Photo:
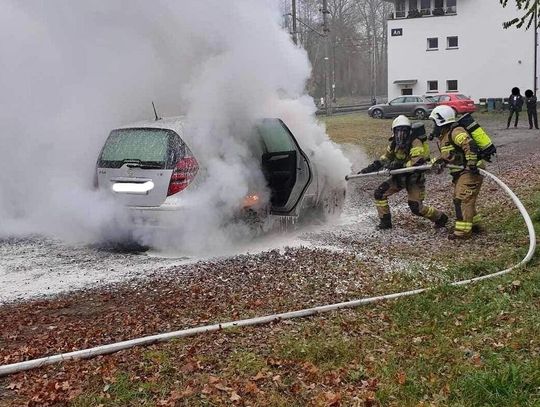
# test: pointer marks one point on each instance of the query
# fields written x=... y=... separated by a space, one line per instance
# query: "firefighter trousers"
x=466 y=188
x=415 y=184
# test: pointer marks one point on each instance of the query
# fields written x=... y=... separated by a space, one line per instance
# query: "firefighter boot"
x=441 y=222
x=385 y=222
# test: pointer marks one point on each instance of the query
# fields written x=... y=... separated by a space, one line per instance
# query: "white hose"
x=148 y=340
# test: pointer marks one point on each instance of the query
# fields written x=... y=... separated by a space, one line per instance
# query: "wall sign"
x=397 y=32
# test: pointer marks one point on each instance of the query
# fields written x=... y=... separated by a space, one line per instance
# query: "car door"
x=286 y=167
x=396 y=106
x=410 y=105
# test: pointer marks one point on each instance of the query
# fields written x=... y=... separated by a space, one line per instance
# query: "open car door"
x=285 y=166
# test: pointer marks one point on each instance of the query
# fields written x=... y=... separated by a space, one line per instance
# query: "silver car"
x=415 y=106
x=150 y=166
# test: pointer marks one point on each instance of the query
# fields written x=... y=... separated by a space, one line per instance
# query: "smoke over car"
x=83 y=69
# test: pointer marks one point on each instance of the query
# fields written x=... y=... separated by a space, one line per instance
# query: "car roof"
x=176 y=124
x=409 y=96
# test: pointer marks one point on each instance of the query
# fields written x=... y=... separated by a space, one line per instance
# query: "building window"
x=432 y=44
x=425 y=7
x=400 y=9
x=413 y=9
x=450 y=6
x=438 y=9
x=451 y=86
x=451 y=42
x=432 y=86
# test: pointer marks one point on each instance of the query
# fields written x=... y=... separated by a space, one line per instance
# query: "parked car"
x=415 y=106
x=150 y=166
x=460 y=103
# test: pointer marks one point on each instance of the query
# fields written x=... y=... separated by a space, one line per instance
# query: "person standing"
x=404 y=150
x=457 y=147
x=515 y=103
x=530 y=100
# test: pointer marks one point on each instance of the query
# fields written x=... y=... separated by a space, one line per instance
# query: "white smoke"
x=70 y=72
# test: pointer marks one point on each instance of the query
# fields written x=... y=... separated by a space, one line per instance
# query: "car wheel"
x=420 y=114
x=377 y=114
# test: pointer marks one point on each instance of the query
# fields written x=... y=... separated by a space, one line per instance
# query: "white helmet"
x=442 y=115
x=401 y=121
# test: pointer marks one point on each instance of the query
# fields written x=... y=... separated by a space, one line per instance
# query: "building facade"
x=441 y=46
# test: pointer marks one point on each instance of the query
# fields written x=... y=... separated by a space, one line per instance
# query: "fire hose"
x=152 y=339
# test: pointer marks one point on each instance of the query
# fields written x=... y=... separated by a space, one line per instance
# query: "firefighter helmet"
x=443 y=115
x=401 y=121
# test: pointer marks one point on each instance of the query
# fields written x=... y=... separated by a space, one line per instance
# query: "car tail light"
x=184 y=172
x=250 y=200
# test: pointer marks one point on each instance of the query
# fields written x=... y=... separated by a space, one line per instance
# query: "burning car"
x=150 y=167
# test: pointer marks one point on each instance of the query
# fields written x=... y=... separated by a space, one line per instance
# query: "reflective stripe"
x=446 y=149
x=416 y=151
x=430 y=211
x=381 y=203
x=471 y=157
x=477 y=219
x=460 y=138
x=463 y=226
x=425 y=147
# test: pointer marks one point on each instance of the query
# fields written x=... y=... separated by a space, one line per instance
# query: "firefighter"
x=404 y=150
x=457 y=147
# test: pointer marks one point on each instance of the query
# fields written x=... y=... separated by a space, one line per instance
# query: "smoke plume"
x=72 y=71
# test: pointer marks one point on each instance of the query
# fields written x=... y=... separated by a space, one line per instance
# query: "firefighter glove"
x=374 y=166
x=471 y=165
x=394 y=165
x=438 y=166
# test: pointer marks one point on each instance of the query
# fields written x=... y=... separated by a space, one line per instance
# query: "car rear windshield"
x=462 y=97
x=146 y=147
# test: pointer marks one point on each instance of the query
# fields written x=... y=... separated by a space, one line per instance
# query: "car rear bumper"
x=155 y=217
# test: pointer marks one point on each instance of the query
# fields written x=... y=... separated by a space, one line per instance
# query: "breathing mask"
x=402 y=137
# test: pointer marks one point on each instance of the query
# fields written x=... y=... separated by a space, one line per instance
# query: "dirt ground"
x=95 y=296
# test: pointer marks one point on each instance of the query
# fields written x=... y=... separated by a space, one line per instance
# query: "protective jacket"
x=417 y=153
x=458 y=148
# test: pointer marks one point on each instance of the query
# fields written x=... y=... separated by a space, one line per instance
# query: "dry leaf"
x=235 y=396
x=401 y=377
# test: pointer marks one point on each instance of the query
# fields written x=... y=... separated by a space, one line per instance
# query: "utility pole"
x=294 y=33
x=326 y=31
x=535 y=47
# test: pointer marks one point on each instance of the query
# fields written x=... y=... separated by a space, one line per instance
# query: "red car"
x=460 y=103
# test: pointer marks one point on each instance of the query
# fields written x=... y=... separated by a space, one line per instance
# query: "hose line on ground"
x=148 y=340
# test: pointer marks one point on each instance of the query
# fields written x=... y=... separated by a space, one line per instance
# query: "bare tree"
x=357 y=39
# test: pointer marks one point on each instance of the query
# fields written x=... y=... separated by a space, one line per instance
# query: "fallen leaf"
x=222 y=387
x=235 y=396
x=332 y=398
x=401 y=377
